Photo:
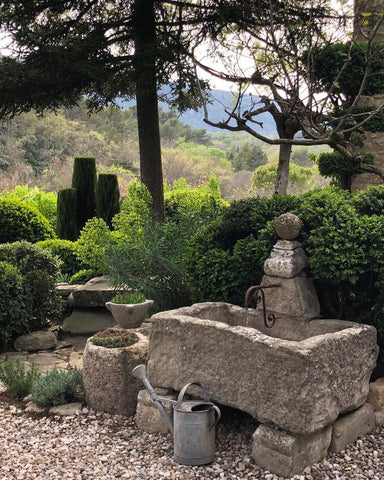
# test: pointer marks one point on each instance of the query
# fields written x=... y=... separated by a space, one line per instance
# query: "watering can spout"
x=140 y=373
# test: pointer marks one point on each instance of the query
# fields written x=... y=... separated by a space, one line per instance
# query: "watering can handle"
x=218 y=416
x=184 y=389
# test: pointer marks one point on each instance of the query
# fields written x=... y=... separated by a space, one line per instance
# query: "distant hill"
x=221 y=99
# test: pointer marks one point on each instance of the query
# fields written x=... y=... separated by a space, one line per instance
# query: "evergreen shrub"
x=83 y=276
x=84 y=181
x=56 y=387
x=226 y=257
x=93 y=243
x=67 y=222
x=204 y=200
x=66 y=251
x=39 y=270
x=13 y=304
x=107 y=197
x=19 y=221
x=44 y=202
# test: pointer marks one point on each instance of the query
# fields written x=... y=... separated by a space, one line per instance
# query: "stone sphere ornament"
x=288 y=226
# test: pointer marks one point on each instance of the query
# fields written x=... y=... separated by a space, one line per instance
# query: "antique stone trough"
x=295 y=378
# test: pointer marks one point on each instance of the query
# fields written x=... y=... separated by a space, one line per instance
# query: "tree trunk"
x=147 y=105
x=281 y=184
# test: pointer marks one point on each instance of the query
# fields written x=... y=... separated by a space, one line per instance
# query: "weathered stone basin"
x=297 y=376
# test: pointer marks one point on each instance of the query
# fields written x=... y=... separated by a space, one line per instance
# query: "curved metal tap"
x=254 y=291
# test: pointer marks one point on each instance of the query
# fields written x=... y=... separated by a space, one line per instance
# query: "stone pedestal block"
x=148 y=417
x=376 y=394
x=287 y=455
x=109 y=385
x=295 y=297
x=350 y=427
x=287 y=260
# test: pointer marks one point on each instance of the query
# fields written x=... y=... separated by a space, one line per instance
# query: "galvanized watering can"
x=193 y=424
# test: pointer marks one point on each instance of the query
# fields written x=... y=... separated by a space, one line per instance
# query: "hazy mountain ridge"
x=221 y=99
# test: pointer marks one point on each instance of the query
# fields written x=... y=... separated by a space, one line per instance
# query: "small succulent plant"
x=129 y=298
x=114 y=338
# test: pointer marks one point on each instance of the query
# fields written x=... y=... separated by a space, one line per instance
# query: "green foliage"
x=107 y=197
x=329 y=61
x=67 y=222
x=56 y=387
x=204 y=200
x=265 y=175
x=83 y=276
x=249 y=158
x=19 y=221
x=336 y=166
x=84 y=181
x=135 y=211
x=30 y=258
x=370 y=201
x=114 y=339
x=66 y=251
x=13 y=304
x=226 y=257
x=93 y=243
x=129 y=298
x=39 y=269
x=44 y=202
x=17 y=379
x=152 y=262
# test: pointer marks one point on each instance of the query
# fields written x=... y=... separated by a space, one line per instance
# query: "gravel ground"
x=100 y=446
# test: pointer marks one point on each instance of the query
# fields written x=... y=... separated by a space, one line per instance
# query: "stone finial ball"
x=288 y=226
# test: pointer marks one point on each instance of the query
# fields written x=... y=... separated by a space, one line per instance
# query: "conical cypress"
x=84 y=180
x=107 y=197
x=67 y=214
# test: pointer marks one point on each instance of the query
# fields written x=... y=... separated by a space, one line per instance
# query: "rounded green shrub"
x=39 y=270
x=13 y=304
x=93 y=243
x=83 y=276
x=66 y=251
x=226 y=257
x=19 y=221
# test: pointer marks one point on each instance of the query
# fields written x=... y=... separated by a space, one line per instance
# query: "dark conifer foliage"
x=84 y=181
x=107 y=197
x=67 y=228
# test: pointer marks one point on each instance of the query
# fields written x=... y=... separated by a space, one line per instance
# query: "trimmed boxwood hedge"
x=19 y=221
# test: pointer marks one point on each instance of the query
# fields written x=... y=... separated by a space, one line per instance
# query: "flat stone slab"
x=86 y=321
x=94 y=293
x=299 y=386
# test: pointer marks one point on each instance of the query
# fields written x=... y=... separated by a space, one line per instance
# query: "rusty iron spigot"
x=254 y=291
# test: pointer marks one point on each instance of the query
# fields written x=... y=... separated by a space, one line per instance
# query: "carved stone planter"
x=109 y=385
x=129 y=315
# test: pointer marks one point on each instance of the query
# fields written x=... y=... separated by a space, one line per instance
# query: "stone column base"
x=287 y=455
